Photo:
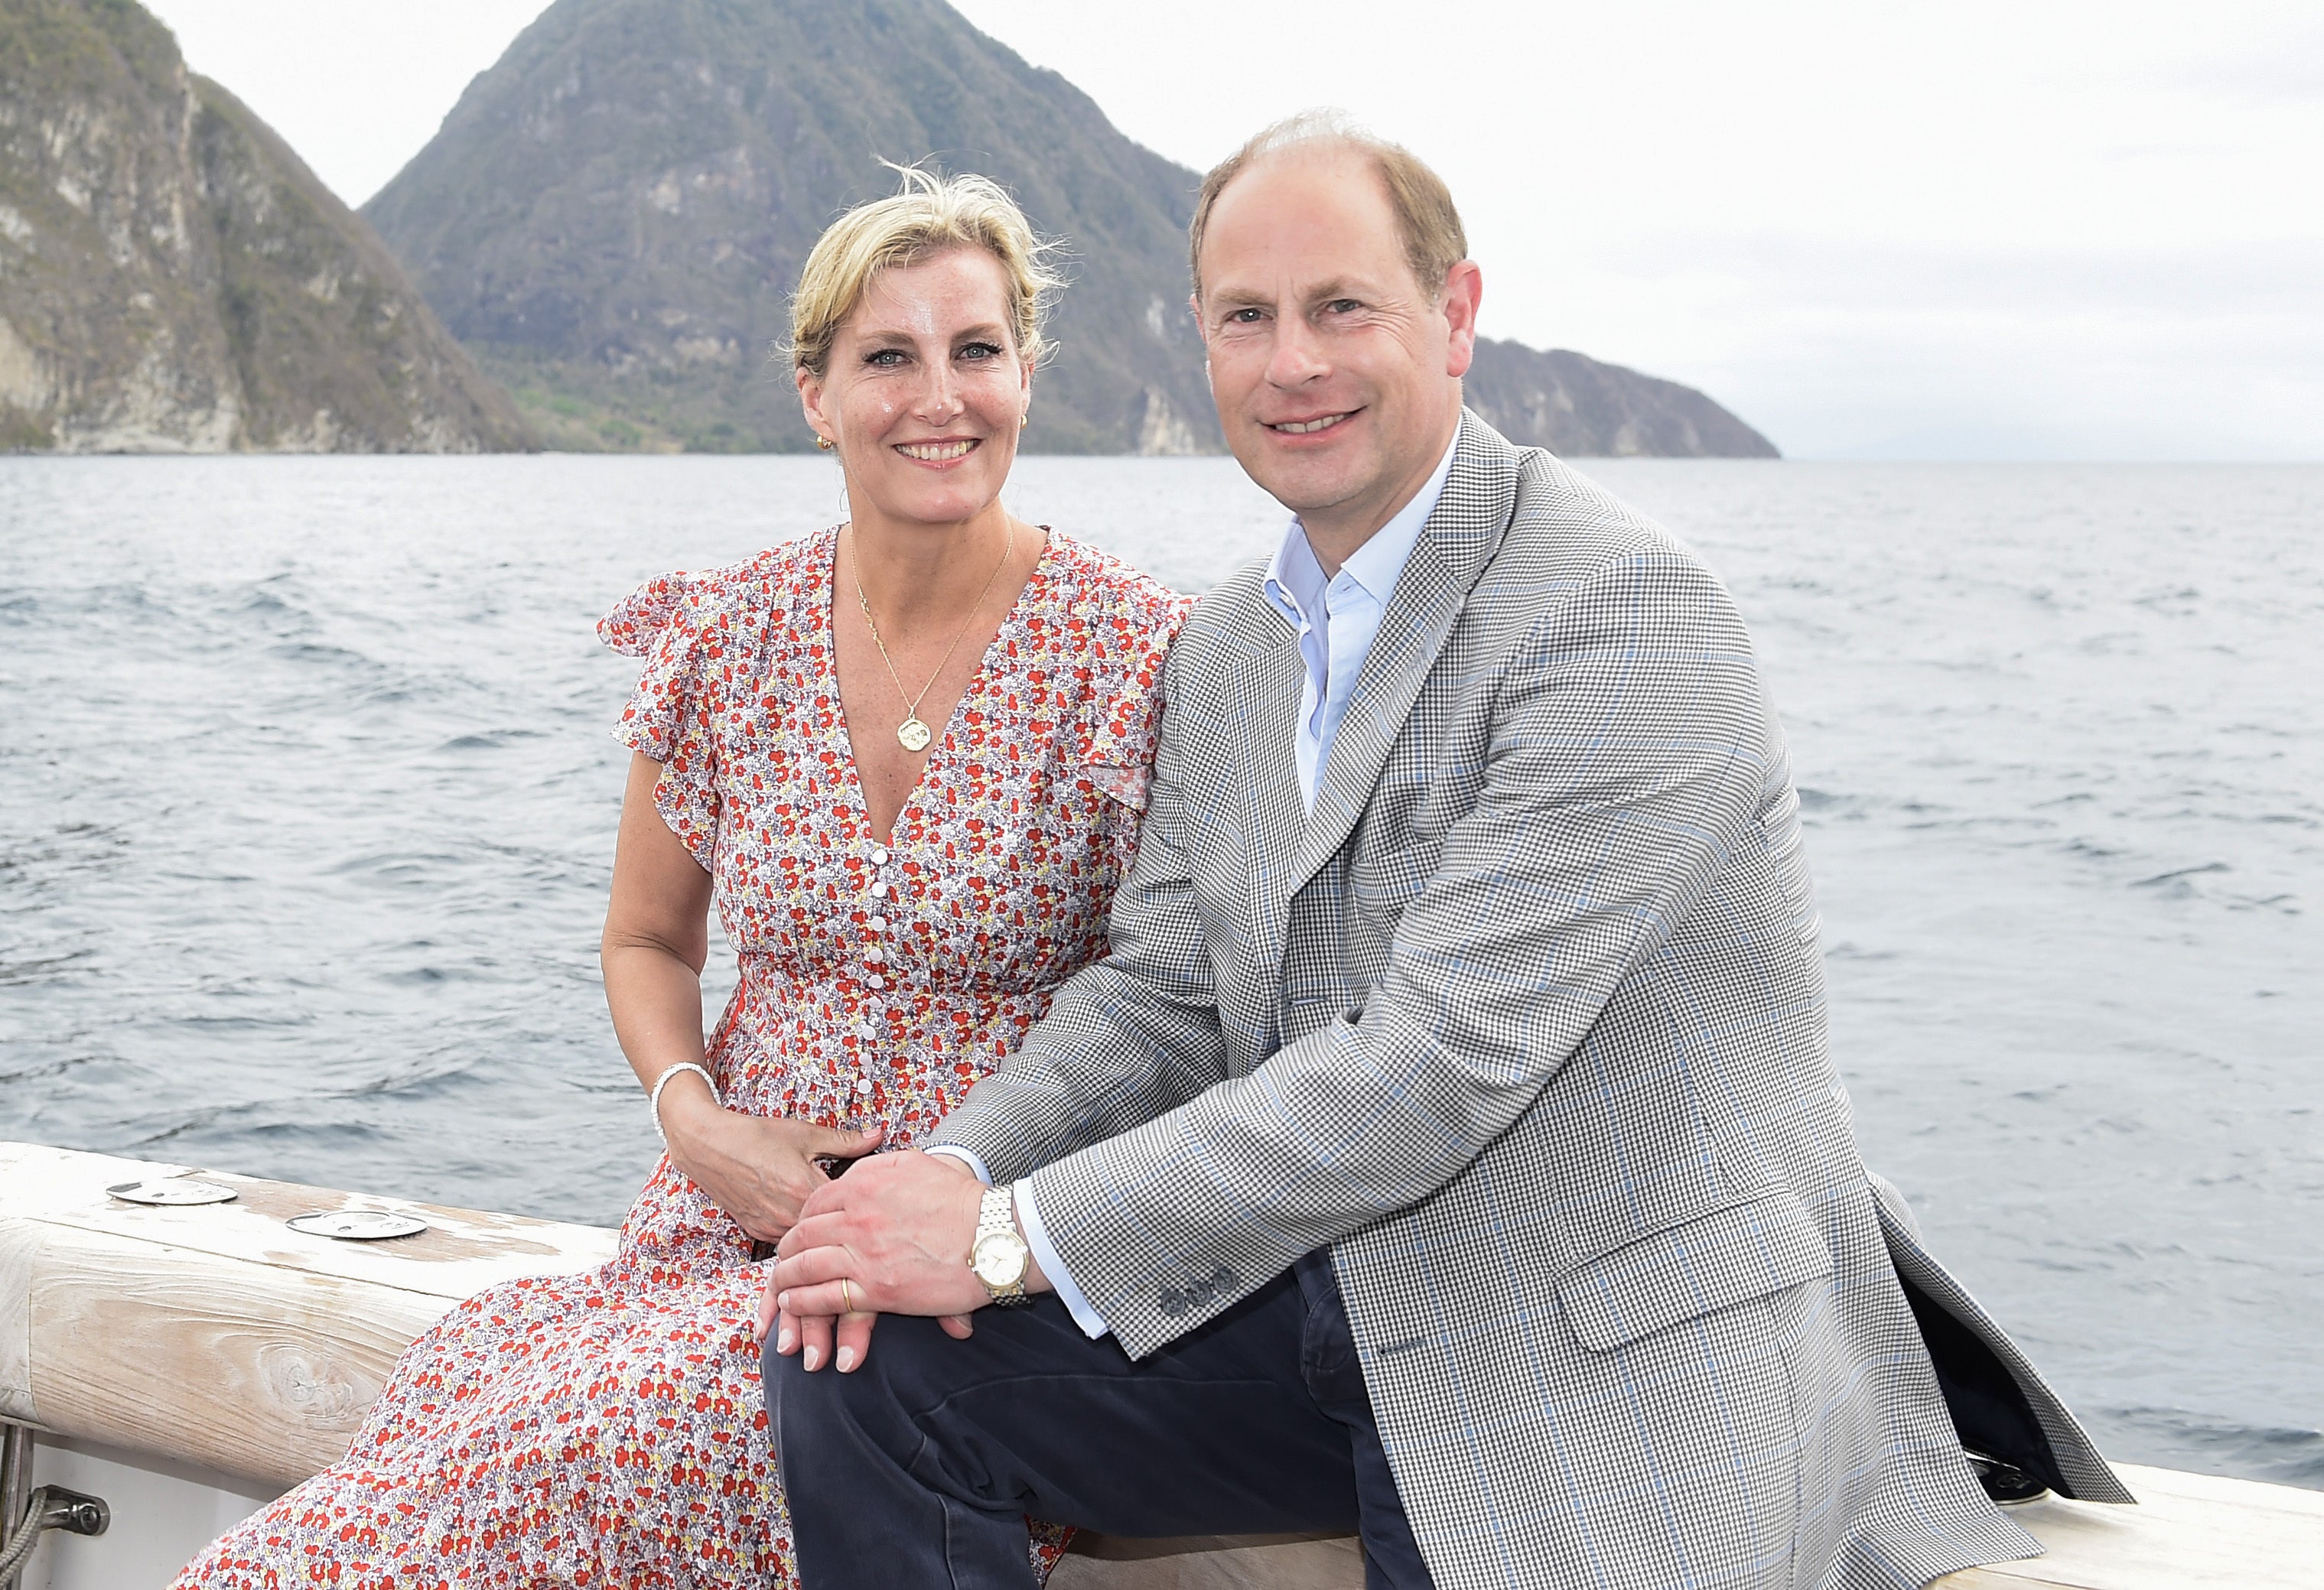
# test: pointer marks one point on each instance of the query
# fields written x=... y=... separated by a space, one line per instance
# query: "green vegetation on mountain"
x=613 y=217
x=172 y=278
x=611 y=221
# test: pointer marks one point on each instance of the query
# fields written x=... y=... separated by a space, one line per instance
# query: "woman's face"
x=923 y=392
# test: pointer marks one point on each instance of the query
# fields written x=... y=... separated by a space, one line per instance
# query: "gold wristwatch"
x=997 y=1255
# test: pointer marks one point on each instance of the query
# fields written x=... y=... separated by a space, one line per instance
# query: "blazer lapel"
x=1460 y=539
x=1267 y=684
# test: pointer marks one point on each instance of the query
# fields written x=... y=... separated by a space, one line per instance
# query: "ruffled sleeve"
x=670 y=715
x=1117 y=757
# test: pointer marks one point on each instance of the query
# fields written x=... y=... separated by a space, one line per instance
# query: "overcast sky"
x=1969 y=230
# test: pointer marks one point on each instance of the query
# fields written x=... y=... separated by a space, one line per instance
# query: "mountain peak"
x=614 y=215
x=173 y=277
x=612 y=218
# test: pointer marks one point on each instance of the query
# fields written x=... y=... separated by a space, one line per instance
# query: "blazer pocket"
x=1713 y=1263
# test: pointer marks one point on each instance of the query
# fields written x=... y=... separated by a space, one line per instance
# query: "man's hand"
x=892 y=1235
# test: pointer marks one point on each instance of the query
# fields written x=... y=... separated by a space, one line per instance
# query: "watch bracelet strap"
x=996 y=1214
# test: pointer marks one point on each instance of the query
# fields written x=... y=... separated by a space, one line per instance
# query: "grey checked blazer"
x=1526 y=1023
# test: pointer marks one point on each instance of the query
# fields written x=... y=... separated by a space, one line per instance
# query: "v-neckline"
x=943 y=745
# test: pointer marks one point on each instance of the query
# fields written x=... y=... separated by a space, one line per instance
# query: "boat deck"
x=211 y=1346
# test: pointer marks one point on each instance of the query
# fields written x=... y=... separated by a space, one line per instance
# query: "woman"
x=905 y=758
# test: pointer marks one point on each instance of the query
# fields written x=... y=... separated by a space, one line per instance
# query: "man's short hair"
x=1434 y=239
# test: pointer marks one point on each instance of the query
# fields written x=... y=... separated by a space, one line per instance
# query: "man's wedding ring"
x=847 y=1296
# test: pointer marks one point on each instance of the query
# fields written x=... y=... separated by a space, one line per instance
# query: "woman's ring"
x=847 y=1296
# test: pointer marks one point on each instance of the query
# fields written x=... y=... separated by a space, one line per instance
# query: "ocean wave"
x=305 y=840
x=2286 y=1455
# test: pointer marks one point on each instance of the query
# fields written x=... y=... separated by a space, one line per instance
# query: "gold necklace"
x=911 y=733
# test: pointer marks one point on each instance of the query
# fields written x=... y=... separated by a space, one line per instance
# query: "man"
x=1448 y=1147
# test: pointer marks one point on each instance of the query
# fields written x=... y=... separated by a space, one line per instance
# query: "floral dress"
x=607 y=1429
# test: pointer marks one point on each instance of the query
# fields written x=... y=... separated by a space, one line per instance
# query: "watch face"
x=1000 y=1259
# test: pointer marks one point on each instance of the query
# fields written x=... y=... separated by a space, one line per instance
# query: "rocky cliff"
x=1575 y=405
x=173 y=278
x=613 y=217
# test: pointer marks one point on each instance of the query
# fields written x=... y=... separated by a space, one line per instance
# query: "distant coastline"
x=594 y=252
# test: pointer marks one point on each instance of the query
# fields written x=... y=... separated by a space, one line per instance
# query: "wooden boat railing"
x=213 y=1336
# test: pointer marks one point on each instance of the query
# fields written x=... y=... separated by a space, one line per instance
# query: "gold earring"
x=826 y=442
x=1024 y=420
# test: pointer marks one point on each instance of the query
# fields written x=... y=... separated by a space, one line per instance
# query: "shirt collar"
x=1295 y=583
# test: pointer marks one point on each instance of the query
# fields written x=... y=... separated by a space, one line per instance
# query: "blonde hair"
x=926 y=216
x=1425 y=219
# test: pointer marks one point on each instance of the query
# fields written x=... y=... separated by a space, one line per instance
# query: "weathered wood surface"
x=1244 y=1562
x=213 y=1334
x=2190 y=1532
x=463 y=1252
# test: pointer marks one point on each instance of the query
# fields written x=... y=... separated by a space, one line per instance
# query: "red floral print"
x=607 y=1429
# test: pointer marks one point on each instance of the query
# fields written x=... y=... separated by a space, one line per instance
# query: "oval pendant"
x=913 y=734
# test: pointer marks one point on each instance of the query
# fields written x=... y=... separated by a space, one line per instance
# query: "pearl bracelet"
x=653 y=1103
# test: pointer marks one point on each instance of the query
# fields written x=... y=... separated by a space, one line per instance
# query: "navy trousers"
x=919 y=1469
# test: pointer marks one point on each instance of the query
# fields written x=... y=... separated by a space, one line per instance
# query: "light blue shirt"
x=1337 y=620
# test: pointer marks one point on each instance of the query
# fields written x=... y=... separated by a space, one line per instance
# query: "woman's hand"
x=759 y=1169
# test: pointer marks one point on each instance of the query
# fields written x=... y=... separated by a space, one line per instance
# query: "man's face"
x=1336 y=375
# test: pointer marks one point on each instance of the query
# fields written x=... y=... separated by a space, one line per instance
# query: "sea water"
x=308 y=801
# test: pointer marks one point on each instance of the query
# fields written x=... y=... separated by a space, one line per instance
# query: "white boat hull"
x=163 y=1512
x=189 y=1363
